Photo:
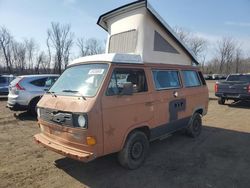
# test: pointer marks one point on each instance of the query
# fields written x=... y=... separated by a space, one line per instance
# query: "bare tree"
x=225 y=51
x=81 y=45
x=41 y=62
x=49 y=52
x=19 y=54
x=196 y=44
x=238 y=59
x=5 y=47
x=94 y=46
x=31 y=48
x=182 y=33
x=90 y=46
x=60 y=39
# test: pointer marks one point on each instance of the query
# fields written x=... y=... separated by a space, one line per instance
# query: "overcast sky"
x=211 y=19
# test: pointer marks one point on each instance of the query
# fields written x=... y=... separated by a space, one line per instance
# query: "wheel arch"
x=33 y=99
x=200 y=110
x=143 y=128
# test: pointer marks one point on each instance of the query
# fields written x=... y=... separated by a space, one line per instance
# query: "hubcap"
x=136 y=150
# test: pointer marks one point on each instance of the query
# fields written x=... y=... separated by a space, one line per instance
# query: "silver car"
x=26 y=91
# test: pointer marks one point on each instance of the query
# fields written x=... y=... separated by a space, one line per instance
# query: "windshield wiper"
x=52 y=93
x=73 y=91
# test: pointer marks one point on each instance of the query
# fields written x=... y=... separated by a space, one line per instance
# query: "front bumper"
x=233 y=96
x=62 y=149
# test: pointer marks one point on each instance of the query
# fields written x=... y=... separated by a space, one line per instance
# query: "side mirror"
x=127 y=89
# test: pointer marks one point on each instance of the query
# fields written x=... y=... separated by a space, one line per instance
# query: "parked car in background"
x=26 y=91
x=4 y=83
x=207 y=76
x=236 y=87
x=215 y=76
x=222 y=76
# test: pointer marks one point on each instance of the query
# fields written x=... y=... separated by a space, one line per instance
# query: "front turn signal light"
x=91 y=141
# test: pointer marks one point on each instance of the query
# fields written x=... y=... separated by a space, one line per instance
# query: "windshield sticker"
x=95 y=71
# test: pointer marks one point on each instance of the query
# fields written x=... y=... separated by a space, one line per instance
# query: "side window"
x=39 y=82
x=191 y=78
x=166 y=79
x=121 y=77
x=50 y=81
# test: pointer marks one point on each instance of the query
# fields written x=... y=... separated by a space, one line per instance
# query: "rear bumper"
x=62 y=149
x=4 y=93
x=233 y=96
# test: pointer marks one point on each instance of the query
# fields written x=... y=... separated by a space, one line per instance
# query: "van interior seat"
x=133 y=78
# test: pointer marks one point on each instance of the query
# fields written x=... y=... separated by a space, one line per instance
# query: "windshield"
x=245 y=78
x=83 y=80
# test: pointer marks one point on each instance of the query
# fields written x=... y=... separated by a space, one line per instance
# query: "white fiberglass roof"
x=111 y=57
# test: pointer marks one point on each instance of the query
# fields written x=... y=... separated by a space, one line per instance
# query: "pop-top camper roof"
x=136 y=28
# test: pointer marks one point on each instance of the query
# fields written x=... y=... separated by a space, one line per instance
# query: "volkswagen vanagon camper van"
x=119 y=102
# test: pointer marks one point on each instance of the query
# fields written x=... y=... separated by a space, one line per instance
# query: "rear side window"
x=39 y=82
x=166 y=79
x=121 y=77
x=191 y=78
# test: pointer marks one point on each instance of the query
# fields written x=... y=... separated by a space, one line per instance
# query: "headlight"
x=38 y=112
x=81 y=121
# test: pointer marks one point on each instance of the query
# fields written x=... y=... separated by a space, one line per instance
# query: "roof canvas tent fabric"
x=136 y=28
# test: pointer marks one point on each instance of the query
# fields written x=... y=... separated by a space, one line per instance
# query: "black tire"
x=32 y=106
x=134 y=151
x=221 y=100
x=195 y=126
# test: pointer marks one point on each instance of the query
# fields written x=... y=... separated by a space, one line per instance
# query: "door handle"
x=175 y=94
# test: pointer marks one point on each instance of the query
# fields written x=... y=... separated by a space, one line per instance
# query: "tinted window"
x=39 y=82
x=191 y=79
x=3 y=80
x=121 y=77
x=245 y=78
x=166 y=79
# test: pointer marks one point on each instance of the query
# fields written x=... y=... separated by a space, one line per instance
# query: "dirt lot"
x=220 y=157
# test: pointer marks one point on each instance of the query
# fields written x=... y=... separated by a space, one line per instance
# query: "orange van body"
x=112 y=117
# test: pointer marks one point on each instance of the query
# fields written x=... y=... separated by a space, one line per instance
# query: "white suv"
x=26 y=91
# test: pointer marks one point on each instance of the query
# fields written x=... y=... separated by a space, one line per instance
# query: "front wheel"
x=195 y=126
x=134 y=151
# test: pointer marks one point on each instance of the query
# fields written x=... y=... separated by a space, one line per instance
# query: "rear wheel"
x=32 y=106
x=134 y=151
x=221 y=100
x=195 y=126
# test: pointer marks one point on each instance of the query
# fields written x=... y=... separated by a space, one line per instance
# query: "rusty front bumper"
x=62 y=149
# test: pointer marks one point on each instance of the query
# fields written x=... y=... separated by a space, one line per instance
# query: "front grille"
x=58 y=117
